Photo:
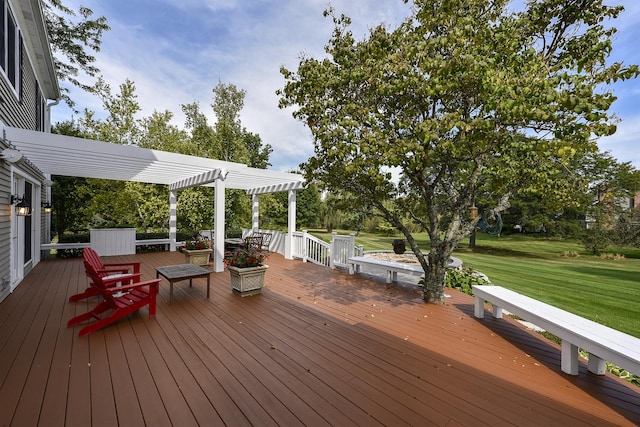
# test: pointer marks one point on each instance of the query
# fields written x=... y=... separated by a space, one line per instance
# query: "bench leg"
x=351 y=269
x=392 y=276
x=497 y=312
x=596 y=365
x=478 y=309
x=569 y=358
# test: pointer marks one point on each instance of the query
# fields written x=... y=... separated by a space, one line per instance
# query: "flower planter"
x=197 y=256
x=399 y=246
x=247 y=280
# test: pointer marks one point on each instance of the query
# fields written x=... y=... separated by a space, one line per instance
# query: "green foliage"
x=72 y=238
x=73 y=36
x=195 y=210
x=464 y=98
x=273 y=211
x=625 y=375
x=83 y=203
x=596 y=238
x=464 y=279
x=308 y=207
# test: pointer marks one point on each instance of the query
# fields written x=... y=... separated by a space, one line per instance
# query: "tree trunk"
x=435 y=278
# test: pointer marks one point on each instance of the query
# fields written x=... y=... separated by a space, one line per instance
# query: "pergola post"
x=218 y=225
x=173 y=219
x=291 y=225
x=255 y=219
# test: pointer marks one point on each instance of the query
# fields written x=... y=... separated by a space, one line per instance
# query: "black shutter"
x=20 y=66
x=3 y=40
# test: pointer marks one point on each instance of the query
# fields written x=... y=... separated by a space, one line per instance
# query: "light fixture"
x=46 y=207
x=10 y=155
x=23 y=207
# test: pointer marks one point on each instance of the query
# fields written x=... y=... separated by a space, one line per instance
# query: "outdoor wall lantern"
x=46 y=207
x=23 y=208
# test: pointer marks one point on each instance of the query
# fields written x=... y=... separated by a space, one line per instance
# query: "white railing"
x=310 y=249
x=80 y=245
x=307 y=247
x=343 y=248
x=334 y=255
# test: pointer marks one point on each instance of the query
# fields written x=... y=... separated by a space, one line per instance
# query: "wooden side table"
x=176 y=273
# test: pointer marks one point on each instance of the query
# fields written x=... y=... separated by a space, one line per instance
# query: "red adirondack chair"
x=117 y=301
x=114 y=268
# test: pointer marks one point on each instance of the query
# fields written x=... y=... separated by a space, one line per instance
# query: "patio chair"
x=91 y=257
x=253 y=242
x=117 y=301
x=266 y=241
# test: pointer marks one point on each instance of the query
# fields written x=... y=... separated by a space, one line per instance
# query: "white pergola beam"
x=70 y=156
x=202 y=179
x=276 y=188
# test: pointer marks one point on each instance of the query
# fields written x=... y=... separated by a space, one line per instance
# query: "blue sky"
x=176 y=51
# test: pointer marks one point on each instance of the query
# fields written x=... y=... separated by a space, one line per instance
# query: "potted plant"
x=399 y=246
x=247 y=270
x=197 y=251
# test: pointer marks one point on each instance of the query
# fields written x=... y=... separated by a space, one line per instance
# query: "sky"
x=176 y=52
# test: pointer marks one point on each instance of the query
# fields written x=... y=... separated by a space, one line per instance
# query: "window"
x=9 y=46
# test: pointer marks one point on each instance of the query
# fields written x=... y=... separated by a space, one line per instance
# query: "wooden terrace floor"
x=317 y=347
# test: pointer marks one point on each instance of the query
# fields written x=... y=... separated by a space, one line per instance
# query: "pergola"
x=62 y=155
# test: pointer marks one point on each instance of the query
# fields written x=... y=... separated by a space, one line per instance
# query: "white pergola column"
x=255 y=218
x=173 y=219
x=218 y=225
x=291 y=225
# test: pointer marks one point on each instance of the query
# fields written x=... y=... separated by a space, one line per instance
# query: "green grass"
x=603 y=290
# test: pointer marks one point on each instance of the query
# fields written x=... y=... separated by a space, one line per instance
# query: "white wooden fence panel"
x=113 y=241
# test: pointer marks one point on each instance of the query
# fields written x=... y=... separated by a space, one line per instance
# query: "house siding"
x=19 y=113
x=19 y=109
x=5 y=227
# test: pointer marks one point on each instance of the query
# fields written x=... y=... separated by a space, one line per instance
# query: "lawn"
x=604 y=290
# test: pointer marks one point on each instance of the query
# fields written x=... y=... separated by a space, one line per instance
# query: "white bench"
x=601 y=342
x=392 y=268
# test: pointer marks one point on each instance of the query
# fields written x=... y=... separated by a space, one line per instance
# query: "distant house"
x=613 y=207
x=634 y=202
x=27 y=83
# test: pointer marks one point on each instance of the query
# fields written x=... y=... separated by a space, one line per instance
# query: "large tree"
x=464 y=97
x=74 y=37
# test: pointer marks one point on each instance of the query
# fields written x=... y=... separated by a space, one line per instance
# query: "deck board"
x=317 y=347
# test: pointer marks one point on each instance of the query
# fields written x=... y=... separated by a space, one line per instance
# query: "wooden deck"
x=317 y=347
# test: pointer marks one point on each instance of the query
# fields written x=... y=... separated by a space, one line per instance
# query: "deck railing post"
x=332 y=250
x=305 y=244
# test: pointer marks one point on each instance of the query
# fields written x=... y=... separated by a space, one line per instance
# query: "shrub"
x=614 y=257
x=463 y=280
x=571 y=254
x=72 y=238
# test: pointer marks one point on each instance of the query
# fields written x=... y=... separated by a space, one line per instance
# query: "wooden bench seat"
x=601 y=342
x=392 y=268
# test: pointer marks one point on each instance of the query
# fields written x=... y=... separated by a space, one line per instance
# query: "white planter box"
x=247 y=281
x=197 y=256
